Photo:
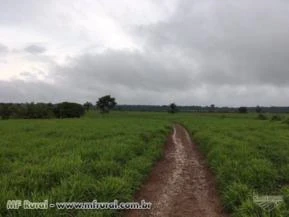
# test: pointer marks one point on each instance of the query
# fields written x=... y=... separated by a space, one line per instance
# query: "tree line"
x=40 y=110
x=107 y=103
x=49 y=110
x=203 y=109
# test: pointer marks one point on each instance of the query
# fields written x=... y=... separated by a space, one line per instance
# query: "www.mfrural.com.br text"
x=26 y=204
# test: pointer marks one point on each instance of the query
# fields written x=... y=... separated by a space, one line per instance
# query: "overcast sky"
x=194 y=52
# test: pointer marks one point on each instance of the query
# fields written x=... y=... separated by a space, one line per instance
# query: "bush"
x=286 y=121
x=68 y=110
x=262 y=117
x=276 y=118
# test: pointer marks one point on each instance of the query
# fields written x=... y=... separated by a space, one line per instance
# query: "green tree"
x=106 y=103
x=68 y=110
x=173 y=108
x=87 y=106
x=212 y=108
x=258 y=109
x=243 y=109
x=5 y=111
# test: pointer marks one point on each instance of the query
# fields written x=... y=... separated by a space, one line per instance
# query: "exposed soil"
x=181 y=184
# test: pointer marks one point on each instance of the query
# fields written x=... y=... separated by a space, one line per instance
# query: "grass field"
x=103 y=157
x=248 y=156
x=108 y=157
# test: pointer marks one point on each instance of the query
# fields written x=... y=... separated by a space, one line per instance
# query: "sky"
x=191 y=52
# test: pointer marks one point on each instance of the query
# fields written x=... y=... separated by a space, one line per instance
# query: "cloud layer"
x=35 y=49
x=190 y=52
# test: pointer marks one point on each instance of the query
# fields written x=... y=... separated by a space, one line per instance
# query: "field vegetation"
x=249 y=156
x=108 y=156
x=97 y=157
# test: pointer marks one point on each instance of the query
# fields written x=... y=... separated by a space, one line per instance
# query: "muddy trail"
x=180 y=185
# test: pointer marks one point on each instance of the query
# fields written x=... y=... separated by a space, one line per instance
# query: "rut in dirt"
x=180 y=185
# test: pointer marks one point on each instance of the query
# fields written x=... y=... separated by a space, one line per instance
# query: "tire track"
x=181 y=184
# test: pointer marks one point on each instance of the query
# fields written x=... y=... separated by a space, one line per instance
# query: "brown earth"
x=180 y=185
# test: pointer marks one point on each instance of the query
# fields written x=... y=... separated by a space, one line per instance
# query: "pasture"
x=107 y=157
x=102 y=157
x=248 y=156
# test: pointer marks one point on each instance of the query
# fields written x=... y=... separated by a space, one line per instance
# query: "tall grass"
x=107 y=157
x=97 y=157
x=248 y=156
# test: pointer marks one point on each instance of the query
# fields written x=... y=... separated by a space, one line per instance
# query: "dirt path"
x=180 y=185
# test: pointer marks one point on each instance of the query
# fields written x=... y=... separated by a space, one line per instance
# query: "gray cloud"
x=130 y=69
x=35 y=49
x=3 y=49
x=230 y=95
x=233 y=43
x=3 y=53
x=226 y=53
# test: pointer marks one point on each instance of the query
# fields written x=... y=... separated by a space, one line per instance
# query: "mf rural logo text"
x=267 y=202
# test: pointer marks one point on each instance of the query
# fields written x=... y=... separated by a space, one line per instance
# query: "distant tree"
x=87 y=106
x=68 y=110
x=212 y=108
x=173 y=108
x=106 y=103
x=5 y=111
x=15 y=110
x=258 y=109
x=42 y=110
x=243 y=109
x=31 y=110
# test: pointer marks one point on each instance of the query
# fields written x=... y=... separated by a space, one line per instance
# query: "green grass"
x=97 y=157
x=107 y=157
x=247 y=156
